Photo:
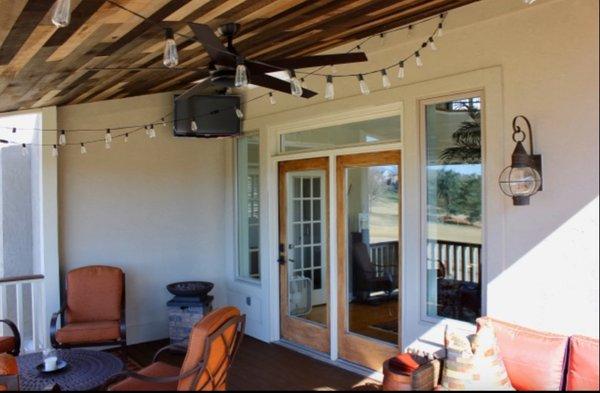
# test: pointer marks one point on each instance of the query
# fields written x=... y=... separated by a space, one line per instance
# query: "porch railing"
x=457 y=261
x=20 y=299
x=384 y=257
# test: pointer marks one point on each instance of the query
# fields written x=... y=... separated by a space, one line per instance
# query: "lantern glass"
x=520 y=181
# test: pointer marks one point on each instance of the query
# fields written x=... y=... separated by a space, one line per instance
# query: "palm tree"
x=467 y=140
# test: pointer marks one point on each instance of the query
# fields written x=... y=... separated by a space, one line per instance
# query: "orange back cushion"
x=534 y=360
x=216 y=361
x=582 y=372
x=94 y=293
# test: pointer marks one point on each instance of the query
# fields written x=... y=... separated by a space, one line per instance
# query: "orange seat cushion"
x=94 y=293
x=7 y=344
x=582 y=372
x=534 y=360
x=216 y=362
x=158 y=369
x=88 y=332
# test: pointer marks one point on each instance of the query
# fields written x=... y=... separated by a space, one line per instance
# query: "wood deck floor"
x=262 y=366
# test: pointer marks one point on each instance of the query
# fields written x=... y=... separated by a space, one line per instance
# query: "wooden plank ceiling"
x=41 y=65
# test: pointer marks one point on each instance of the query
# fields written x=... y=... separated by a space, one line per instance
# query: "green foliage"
x=467 y=140
x=455 y=194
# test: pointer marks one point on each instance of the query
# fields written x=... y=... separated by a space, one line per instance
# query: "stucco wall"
x=153 y=207
x=546 y=275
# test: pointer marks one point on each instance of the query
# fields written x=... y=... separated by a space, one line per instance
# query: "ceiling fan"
x=226 y=62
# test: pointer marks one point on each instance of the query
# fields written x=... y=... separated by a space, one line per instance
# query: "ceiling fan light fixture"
x=170 y=57
x=241 y=74
x=295 y=85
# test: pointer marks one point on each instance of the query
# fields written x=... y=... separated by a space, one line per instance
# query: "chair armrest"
x=172 y=347
x=146 y=378
x=53 y=323
x=16 y=335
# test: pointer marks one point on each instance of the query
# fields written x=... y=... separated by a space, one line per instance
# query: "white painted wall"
x=153 y=207
x=540 y=61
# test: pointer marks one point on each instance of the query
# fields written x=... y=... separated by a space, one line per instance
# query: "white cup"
x=50 y=363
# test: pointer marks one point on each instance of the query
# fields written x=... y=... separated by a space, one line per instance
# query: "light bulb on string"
x=385 y=79
x=382 y=38
x=329 y=89
x=440 y=30
x=83 y=149
x=23 y=149
x=54 y=151
x=401 y=70
x=303 y=83
x=62 y=13
x=151 y=131
x=239 y=113
x=432 y=44
x=126 y=138
x=364 y=88
x=170 y=56
x=241 y=74
x=107 y=139
x=193 y=125
x=62 y=138
x=295 y=85
x=272 y=98
x=14 y=130
x=418 y=59
x=528 y=2
x=164 y=122
x=410 y=31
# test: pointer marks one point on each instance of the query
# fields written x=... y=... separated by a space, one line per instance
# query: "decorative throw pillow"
x=474 y=362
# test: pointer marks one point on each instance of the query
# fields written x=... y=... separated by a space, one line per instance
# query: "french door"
x=369 y=249
x=303 y=254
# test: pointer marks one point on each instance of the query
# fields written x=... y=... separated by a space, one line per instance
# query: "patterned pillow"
x=474 y=362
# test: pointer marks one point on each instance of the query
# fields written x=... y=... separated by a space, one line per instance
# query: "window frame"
x=237 y=222
x=424 y=317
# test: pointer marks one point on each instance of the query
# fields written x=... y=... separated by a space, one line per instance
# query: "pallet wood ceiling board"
x=40 y=65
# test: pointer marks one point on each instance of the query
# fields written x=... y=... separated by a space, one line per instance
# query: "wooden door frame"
x=351 y=346
x=295 y=329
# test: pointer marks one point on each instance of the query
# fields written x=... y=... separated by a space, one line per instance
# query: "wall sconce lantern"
x=523 y=178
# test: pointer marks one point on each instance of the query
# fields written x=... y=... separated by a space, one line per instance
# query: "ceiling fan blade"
x=194 y=90
x=272 y=83
x=212 y=45
x=319 y=60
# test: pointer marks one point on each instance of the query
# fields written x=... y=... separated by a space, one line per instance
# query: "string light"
x=54 y=151
x=295 y=85
x=163 y=121
x=14 y=130
x=107 y=139
x=170 y=56
x=401 y=70
x=241 y=74
x=418 y=59
x=329 y=90
x=62 y=139
x=239 y=113
x=272 y=98
x=194 y=126
x=528 y=2
x=410 y=30
x=82 y=149
x=385 y=80
x=23 y=149
x=126 y=137
x=432 y=44
x=151 y=131
x=364 y=88
x=62 y=13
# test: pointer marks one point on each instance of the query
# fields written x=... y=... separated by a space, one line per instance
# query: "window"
x=248 y=199
x=453 y=208
x=384 y=129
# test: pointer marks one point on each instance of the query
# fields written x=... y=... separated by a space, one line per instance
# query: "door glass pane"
x=372 y=214
x=306 y=273
x=454 y=234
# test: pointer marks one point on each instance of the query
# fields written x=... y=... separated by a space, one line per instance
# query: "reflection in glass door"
x=368 y=209
x=303 y=252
